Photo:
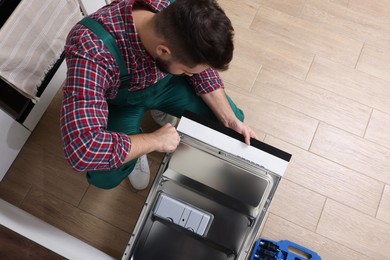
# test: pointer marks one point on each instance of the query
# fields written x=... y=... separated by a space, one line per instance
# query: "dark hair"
x=198 y=32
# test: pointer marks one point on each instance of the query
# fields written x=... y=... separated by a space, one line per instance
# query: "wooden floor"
x=16 y=246
x=313 y=77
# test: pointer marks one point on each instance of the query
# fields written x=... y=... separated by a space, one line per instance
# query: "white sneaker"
x=163 y=118
x=140 y=176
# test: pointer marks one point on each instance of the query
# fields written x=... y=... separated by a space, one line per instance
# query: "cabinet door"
x=12 y=138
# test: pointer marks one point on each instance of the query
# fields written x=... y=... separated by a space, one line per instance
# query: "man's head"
x=197 y=34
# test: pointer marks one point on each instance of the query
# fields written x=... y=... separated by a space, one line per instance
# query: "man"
x=171 y=51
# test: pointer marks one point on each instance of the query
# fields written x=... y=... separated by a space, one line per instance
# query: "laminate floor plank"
x=308 y=36
x=316 y=102
x=15 y=246
x=353 y=152
x=331 y=179
x=252 y=53
x=384 y=207
x=377 y=8
x=116 y=206
x=355 y=230
x=291 y=7
x=358 y=25
x=76 y=222
x=272 y=118
x=350 y=83
x=297 y=204
x=375 y=61
x=377 y=130
x=278 y=228
x=120 y=206
x=241 y=12
x=13 y=191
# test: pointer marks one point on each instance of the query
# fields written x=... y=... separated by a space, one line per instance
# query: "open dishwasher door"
x=209 y=197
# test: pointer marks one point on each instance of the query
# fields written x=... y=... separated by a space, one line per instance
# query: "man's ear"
x=163 y=51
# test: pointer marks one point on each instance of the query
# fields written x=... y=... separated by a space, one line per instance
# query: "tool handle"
x=288 y=246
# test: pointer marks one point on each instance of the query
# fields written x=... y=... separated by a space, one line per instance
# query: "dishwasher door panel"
x=218 y=177
x=205 y=203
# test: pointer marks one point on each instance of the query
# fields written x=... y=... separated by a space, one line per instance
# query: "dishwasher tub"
x=205 y=202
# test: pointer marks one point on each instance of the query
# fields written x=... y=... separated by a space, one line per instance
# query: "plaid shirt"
x=93 y=77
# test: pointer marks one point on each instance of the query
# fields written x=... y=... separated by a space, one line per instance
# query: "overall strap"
x=110 y=43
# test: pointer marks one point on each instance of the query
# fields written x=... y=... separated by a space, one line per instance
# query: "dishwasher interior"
x=205 y=203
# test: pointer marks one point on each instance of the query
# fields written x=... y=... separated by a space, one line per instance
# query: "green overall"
x=172 y=95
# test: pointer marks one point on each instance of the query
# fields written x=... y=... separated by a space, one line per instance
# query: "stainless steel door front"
x=199 y=177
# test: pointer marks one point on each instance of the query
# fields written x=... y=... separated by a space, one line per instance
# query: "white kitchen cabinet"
x=15 y=134
x=12 y=138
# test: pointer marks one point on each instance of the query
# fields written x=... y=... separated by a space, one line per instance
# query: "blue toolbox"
x=283 y=250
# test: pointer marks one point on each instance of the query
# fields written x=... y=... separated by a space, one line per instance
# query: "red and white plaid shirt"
x=93 y=77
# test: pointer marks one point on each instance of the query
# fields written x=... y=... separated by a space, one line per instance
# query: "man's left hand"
x=243 y=129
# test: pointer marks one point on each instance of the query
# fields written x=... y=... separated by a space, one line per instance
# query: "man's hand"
x=243 y=129
x=219 y=104
x=166 y=138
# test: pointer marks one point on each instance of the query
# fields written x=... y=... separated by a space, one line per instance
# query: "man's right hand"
x=167 y=138
x=164 y=140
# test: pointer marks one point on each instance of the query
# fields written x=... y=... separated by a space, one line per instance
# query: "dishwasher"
x=209 y=197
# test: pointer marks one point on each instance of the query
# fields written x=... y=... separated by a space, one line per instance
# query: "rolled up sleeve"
x=206 y=82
